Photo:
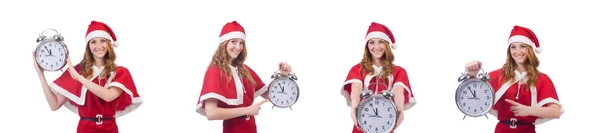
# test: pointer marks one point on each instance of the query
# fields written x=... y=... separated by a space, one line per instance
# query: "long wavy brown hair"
x=88 y=61
x=531 y=63
x=222 y=60
x=386 y=61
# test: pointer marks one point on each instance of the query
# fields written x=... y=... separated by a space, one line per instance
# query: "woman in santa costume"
x=525 y=97
x=96 y=89
x=377 y=66
x=230 y=86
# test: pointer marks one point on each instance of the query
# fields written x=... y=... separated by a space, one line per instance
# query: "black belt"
x=98 y=119
x=513 y=123
x=243 y=116
x=516 y=123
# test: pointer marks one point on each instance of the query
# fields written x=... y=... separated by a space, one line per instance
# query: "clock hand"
x=280 y=86
x=377 y=111
x=373 y=110
x=50 y=52
x=471 y=91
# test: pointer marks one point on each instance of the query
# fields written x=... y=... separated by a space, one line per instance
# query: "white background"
x=167 y=47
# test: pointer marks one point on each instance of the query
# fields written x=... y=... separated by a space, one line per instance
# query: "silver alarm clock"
x=51 y=52
x=474 y=96
x=376 y=113
x=283 y=91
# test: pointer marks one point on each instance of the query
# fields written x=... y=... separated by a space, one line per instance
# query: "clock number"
x=293 y=88
x=376 y=129
x=291 y=98
x=50 y=44
x=293 y=93
x=469 y=109
x=365 y=122
x=59 y=49
x=281 y=101
x=485 y=91
x=474 y=85
x=480 y=108
x=390 y=115
x=474 y=110
x=366 y=109
x=389 y=123
x=389 y=109
x=486 y=104
x=370 y=126
x=488 y=97
x=464 y=92
x=362 y=115
x=43 y=51
x=376 y=102
x=464 y=104
x=382 y=126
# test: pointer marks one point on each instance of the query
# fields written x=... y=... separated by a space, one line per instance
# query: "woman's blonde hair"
x=88 y=61
x=386 y=60
x=531 y=63
x=222 y=60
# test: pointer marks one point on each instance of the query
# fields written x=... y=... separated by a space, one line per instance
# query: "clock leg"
x=291 y=108
x=486 y=116
x=273 y=107
x=464 y=117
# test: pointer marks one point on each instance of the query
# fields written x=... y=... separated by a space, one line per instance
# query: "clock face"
x=51 y=55
x=376 y=114
x=474 y=97
x=283 y=92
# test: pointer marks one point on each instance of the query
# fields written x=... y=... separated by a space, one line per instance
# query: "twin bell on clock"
x=51 y=52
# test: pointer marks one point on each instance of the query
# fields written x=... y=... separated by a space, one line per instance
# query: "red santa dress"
x=97 y=115
x=398 y=77
x=231 y=93
x=540 y=95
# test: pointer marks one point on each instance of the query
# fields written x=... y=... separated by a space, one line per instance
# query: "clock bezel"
x=277 y=80
x=50 y=40
x=467 y=82
x=364 y=101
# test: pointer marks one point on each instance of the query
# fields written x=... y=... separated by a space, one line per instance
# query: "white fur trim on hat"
x=100 y=33
x=115 y=44
x=231 y=35
x=523 y=39
x=378 y=34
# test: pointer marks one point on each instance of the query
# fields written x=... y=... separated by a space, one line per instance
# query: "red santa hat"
x=381 y=31
x=524 y=35
x=232 y=30
x=100 y=29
